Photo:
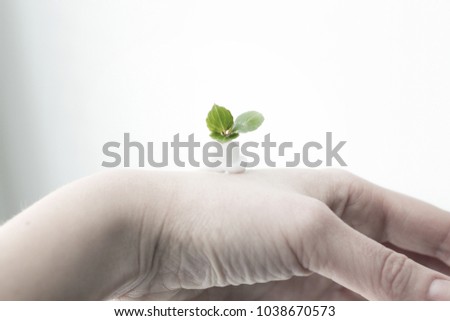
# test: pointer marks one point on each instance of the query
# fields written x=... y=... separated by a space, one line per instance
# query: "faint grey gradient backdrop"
x=76 y=74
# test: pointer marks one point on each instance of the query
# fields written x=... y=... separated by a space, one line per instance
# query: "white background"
x=76 y=74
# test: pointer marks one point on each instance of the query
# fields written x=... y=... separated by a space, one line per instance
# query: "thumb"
x=371 y=269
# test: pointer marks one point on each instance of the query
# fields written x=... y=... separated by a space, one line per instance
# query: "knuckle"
x=310 y=221
x=306 y=217
x=320 y=221
x=395 y=276
x=346 y=188
x=318 y=216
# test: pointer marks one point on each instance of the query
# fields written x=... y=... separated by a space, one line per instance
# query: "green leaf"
x=219 y=120
x=223 y=139
x=248 y=122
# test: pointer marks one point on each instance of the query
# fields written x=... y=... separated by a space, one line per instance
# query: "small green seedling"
x=223 y=127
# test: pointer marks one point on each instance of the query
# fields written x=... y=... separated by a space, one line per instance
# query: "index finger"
x=392 y=217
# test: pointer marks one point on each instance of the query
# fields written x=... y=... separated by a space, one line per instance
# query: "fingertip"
x=439 y=290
